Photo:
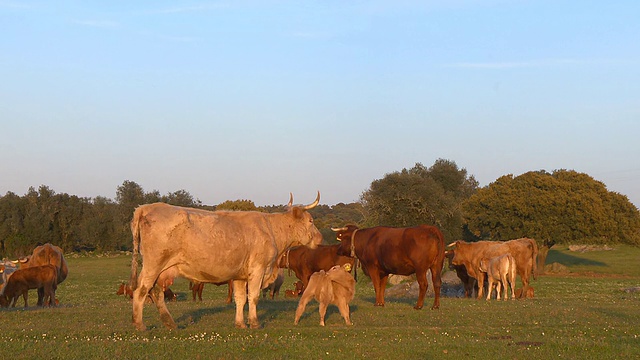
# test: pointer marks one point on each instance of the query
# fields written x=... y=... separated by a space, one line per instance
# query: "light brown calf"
x=500 y=270
x=335 y=286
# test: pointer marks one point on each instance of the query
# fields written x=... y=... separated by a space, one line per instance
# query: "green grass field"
x=586 y=314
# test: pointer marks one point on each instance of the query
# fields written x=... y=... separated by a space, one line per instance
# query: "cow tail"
x=534 y=256
x=135 y=231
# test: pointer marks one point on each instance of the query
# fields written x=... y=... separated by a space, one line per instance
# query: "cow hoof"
x=418 y=307
x=435 y=307
x=379 y=304
x=241 y=326
x=255 y=326
x=140 y=327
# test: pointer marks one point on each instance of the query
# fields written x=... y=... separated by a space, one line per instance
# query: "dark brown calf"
x=22 y=280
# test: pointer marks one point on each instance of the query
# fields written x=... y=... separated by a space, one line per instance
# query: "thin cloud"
x=16 y=5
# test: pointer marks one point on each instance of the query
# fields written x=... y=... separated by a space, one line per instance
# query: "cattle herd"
x=249 y=251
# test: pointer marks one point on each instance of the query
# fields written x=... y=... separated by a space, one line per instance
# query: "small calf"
x=22 y=280
x=524 y=293
x=500 y=270
x=335 y=286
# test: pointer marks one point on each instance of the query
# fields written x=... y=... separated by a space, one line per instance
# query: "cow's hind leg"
x=302 y=304
x=343 y=307
x=146 y=282
x=158 y=298
x=421 y=276
x=436 y=279
x=322 y=309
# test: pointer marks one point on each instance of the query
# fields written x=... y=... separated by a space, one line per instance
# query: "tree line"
x=563 y=206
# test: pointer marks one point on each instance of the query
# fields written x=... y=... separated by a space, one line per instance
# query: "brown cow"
x=524 y=251
x=470 y=284
x=35 y=277
x=500 y=270
x=213 y=247
x=44 y=255
x=402 y=251
x=305 y=261
x=335 y=286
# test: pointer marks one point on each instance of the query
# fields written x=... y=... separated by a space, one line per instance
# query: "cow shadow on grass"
x=195 y=316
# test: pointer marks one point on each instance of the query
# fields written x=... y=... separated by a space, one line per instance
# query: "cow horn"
x=290 y=200
x=15 y=261
x=453 y=244
x=339 y=229
x=313 y=204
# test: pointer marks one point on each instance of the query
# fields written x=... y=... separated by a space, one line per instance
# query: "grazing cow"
x=401 y=251
x=213 y=247
x=35 y=277
x=500 y=270
x=470 y=284
x=44 y=255
x=274 y=288
x=524 y=251
x=335 y=286
x=305 y=261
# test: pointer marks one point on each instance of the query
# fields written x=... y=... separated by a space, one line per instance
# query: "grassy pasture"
x=585 y=314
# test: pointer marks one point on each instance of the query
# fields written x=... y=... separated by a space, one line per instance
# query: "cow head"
x=344 y=235
x=307 y=233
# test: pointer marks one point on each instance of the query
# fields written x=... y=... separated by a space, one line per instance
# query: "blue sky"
x=255 y=99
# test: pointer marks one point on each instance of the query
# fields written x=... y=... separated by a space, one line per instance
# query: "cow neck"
x=353 y=243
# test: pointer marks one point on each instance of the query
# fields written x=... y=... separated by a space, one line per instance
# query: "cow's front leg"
x=481 y=285
x=240 y=297
x=377 y=284
x=255 y=288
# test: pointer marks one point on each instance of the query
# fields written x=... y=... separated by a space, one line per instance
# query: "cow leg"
x=436 y=279
x=40 y=296
x=302 y=304
x=489 y=287
x=240 y=296
x=322 y=309
x=498 y=289
x=145 y=284
x=255 y=288
x=229 y=292
x=343 y=307
x=481 y=285
x=421 y=276
x=157 y=294
x=379 y=284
